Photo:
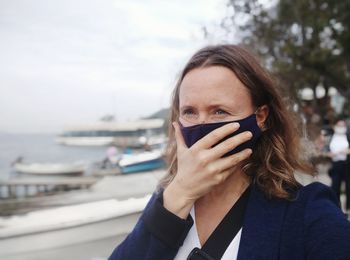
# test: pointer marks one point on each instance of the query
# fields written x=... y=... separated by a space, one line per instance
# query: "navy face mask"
x=193 y=133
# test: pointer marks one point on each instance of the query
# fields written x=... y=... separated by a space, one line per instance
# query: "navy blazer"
x=310 y=227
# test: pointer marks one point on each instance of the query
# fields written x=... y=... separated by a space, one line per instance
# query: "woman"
x=233 y=151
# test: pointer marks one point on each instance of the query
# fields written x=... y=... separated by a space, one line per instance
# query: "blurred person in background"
x=112 y=158
x=339 y=151
x=230 y=191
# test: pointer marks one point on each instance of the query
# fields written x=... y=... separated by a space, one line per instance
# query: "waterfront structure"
x=133 y=134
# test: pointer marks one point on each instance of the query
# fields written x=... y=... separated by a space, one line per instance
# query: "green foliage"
x=305 y=42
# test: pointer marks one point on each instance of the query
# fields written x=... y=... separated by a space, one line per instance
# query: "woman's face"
x=213 y=94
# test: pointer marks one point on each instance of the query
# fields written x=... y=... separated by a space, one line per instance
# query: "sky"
x=70 y=62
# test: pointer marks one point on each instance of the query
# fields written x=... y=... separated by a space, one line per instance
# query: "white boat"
x=122 y=134
x=50 y=168
x=67 y=225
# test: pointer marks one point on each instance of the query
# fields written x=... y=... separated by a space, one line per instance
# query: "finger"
x=215 y=136
x=180 y=142
x=229 y=144
x=220 y=178
x=226 y=163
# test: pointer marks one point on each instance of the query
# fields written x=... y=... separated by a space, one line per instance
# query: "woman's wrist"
x=175 y=202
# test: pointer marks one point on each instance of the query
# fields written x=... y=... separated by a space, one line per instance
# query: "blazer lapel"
x=261 y=227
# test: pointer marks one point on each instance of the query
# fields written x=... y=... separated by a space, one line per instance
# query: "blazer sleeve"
x=327 y=230
x=158 y=234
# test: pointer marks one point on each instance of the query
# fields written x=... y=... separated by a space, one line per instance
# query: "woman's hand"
x=201 y=167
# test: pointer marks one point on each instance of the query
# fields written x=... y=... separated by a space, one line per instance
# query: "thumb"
x=180 y=142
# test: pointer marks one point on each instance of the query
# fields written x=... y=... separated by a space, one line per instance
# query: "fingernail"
x=235 y=125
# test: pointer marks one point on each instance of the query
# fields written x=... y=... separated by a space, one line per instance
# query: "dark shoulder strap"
x=228 y=228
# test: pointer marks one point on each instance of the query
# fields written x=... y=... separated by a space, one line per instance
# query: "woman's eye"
x=220 y=112
x=188 y=112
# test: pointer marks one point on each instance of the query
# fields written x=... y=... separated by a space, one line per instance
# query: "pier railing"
x=27 y=187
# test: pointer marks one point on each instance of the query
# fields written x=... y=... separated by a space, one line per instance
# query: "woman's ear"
x=261 y=116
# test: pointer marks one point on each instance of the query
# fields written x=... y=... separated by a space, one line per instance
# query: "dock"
x=10 y=188
x=119 y=187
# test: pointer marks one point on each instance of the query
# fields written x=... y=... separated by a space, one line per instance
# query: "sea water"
x=41 y=148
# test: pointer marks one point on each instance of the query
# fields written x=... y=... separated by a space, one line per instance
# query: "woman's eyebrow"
x=212 y=106
x=221 y=106
x=186 y=107
x=215 y=106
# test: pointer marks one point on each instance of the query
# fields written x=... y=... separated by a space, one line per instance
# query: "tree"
x=305 y=42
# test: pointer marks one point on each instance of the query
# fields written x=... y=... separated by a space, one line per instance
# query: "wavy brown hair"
x=277 y=153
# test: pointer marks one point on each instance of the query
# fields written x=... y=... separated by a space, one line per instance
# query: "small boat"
x=144 y=161
x=53 y=169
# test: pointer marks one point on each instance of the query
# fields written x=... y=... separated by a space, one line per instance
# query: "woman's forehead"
x=214 y=85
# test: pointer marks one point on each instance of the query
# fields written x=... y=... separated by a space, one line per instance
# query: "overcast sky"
x=67 y=62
